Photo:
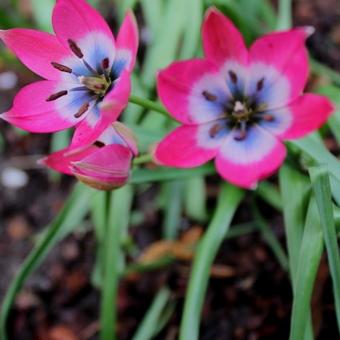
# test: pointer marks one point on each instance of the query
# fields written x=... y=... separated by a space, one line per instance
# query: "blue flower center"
x=96 y=85
x=240 y=111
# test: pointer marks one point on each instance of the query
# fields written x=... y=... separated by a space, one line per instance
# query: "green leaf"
x=322 y=192
x=153 y=11
x=294 y=211
x=173 y=208
x=333 y=93
x=42 y=12
x=228 y=201
x=192 y=33
x=284 y=21
x=195 y=198
x=165 y=41
x=139 y=176
x=309 y=260
x=149 y=325
x=118 y=221
x=75 y=209
x=316 y=150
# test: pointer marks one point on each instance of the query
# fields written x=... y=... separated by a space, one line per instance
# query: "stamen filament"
x=89 y=67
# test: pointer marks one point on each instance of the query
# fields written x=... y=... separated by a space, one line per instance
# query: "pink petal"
x=110 y=109
x=181 y=87
x=61 y=160
x=244 y=163
x=105 y=169
x=77 y=21
x=32 y=112
x=222 y=41
x=37 y=50
x=127 y=43
x=286 y=54
x=180 y=149
x=307 y=114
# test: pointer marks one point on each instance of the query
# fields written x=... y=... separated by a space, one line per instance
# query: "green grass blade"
x=139 y=176
x=148 y=327
x=332 y=92
x=192 y=33
x=195 y=198
x=165 y=41
x=294 y=212
x=153 y=13
x=309 y=259
x=42 y=11
x=228 y=201
x=173 y=208
x=118 y=219
x=324 y=70
x=315 y=149
x=322 y=192
x=68 y=219
x=284 y=20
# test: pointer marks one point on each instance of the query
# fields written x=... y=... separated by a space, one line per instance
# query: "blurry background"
x=249 y=292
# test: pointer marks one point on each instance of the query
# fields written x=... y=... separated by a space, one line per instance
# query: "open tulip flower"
x=238 y=105
x=87 y=71
x=102 y=162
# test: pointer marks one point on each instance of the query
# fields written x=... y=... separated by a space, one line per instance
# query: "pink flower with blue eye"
x=237 y=105
x=102 y=161
x=87 y=71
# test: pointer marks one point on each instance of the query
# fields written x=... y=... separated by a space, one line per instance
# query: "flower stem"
x=228 y=201
x=149 y=104
x=142 y=159
x=284 y=21
x=118 y=205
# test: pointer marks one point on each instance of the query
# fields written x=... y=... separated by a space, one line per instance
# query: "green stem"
x=228 y=201
x=322 y=191
x=149 y=105
x=143 y=159
x=284 y=21
x=113 y=259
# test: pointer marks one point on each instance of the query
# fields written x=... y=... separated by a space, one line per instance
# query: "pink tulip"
x=85 y=68
x=103 y=163
x=237 y=105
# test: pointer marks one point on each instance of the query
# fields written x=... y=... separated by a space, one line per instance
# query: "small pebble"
x=13 y=178
x=8 y=80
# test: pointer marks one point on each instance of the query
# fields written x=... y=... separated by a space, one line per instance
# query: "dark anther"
x=82 y=110
x=267 y=117
x=75 y=48
x=242 y=136
x=233 y=77
x=260 y=84
x=99 y=144
x=56 y=96
x=61 y=68
x=214 y=130
x=209 y=96
x=105 y=63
